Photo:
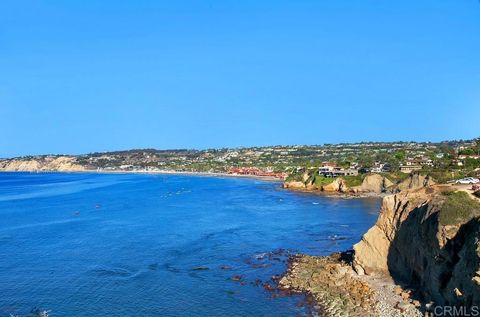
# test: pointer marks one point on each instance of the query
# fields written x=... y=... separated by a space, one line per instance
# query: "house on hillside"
x=410 y=168
x=331 y=170
x=474 y=157
x=379 y=167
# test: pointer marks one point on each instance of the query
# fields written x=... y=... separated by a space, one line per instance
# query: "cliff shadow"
x=422 y=258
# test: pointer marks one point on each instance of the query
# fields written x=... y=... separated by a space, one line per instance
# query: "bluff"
x=48 y=163
x=371 y=183
x=427 y=239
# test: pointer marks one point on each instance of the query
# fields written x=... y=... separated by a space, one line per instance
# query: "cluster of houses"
x=254 y=171
x=329 y=169
x=461 y=159
x=412 y=165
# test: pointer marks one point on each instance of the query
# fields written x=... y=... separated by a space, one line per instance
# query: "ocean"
x=87 y=244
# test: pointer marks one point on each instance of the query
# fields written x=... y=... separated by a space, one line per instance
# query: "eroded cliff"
x=427 y=239
x=371 y=183
x=46 y=163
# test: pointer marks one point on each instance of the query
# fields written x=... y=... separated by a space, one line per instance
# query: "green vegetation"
x=352 y=181
x=445 y=175
x=443 y=161
x=395 y=177
x=458 y=208
x=295 y=177
x=320 y=180
x=471 y=163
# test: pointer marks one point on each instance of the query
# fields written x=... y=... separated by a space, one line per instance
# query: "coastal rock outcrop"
x=414 y=180
x=294 y=185
x=338 y=185
x=373 y=183
x=427 y=239
x=331 y=283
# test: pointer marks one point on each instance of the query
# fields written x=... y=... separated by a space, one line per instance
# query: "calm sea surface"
x=155 y=245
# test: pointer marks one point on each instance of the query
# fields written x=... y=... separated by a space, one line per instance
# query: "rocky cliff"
x=413 y=181
x=427 y=239
x=372 y=183
x=47 y=163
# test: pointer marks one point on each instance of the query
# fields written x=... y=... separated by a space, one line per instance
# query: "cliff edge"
x=48 y=163
x=427 y=239
x=370 y=184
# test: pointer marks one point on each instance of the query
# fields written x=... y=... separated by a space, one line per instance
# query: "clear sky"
x=82 y=76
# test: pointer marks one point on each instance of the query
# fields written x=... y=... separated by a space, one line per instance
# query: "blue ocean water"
x=157 y=245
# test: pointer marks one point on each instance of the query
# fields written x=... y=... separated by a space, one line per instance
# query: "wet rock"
x=331 y=283
x=257 y=282
x=236 y=278
x=268 y=287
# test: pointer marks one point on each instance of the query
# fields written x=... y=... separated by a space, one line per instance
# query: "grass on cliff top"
x=294 y=177
x=458 y=208
x=442 y=176
x=322 y=181
x=351 y=181
x=396 y=177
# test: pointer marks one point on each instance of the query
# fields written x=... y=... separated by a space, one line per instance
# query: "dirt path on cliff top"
x=460 y=187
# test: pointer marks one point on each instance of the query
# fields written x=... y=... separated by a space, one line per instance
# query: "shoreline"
x=378 y=297
x=335 y=289
x=346 y=195
x=160 y=172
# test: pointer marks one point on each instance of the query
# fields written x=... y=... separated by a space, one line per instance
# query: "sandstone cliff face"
x=338 y=185
x=415 y=180
x=60 y=163
x=417 y=250
x=294 y=185
x=373 y=183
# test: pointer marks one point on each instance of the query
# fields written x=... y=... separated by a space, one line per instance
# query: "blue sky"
x=83 y=76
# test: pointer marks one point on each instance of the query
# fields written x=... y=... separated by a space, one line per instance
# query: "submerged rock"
x=236 y=278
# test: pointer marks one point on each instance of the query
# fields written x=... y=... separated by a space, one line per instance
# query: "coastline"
x=160 y=172
x=335 y=289
x=379 y=295
x=346 y=195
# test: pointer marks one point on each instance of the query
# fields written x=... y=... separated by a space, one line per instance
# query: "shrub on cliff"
x=458 y=208
x=352 y=181
x=294 y=177
x=321 y=181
